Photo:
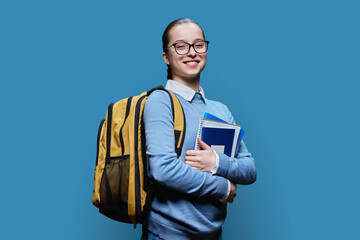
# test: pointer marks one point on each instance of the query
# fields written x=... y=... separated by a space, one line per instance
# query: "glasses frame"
x=190 y=45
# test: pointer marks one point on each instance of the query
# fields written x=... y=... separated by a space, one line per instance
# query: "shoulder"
x=218 y=105
x=158 y=97
x=158 y=103
x=220 y=110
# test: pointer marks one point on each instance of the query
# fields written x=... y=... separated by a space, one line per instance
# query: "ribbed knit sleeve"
x=241 y=169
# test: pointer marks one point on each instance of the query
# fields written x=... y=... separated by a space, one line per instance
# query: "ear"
x=166 y=59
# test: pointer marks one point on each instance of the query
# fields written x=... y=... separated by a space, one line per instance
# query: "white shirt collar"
x=186 y=92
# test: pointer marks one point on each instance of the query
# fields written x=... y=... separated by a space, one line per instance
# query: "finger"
x=234 y=194
x=191 y=161
x=192 y=152
x=203 y=145
x=193 y=165
x=192 y=158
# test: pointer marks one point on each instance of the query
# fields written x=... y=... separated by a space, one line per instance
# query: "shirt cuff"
x=227 y=194
x=216 y=166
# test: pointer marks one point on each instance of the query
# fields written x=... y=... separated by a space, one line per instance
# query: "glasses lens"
x=182 y=48
x=200 y=47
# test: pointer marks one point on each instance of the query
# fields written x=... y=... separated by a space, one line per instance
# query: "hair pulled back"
x=166 y=37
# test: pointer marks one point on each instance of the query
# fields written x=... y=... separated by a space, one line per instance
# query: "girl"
x=192 y=190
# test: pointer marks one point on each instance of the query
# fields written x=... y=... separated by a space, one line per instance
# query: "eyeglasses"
x=183 y=48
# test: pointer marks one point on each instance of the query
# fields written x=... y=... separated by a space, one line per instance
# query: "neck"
x=191 y=83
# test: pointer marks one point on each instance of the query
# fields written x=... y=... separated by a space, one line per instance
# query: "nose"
x=192 y=51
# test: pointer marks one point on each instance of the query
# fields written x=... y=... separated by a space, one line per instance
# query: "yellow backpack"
x=122 y=189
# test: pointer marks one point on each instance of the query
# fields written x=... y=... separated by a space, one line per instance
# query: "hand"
x=202 y=160
x=232 y=193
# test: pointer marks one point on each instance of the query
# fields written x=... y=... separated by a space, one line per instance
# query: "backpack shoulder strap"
x=179 y=122
x=178 y=118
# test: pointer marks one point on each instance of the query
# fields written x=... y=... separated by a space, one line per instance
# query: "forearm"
x=241 y=169
x=173 y=173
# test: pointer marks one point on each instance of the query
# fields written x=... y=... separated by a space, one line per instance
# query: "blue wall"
x=288 y=71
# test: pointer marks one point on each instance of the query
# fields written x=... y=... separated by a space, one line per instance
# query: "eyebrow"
x=182 y=40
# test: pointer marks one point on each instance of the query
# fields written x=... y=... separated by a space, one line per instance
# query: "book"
x=212 y=117
x=221 y=136
x=219 y=139
x=242 y=131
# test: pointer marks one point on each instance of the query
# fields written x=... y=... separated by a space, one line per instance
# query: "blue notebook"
x=220 y=139
x=219 y=135
x=214 y=118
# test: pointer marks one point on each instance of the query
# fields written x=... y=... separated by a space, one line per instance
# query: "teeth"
x=191 y=62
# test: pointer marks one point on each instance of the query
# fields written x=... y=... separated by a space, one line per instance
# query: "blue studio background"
x=288 y=71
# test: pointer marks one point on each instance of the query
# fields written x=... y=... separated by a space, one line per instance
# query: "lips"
x=191 y=62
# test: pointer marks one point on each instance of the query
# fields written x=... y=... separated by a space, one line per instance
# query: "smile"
x=191 y=63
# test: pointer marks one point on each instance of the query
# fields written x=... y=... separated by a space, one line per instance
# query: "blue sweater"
x=186 y=204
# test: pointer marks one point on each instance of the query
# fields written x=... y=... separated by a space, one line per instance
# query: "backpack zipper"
x=128 y=105
x=98 y=140
x=108 y=134
x=137 y=174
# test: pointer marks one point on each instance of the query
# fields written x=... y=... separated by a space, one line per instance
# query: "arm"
x=240 y=170
x=164 y=166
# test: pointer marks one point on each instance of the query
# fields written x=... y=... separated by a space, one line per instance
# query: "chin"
x=193 y=73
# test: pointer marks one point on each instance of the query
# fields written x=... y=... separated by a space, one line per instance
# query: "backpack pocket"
x=114 y=188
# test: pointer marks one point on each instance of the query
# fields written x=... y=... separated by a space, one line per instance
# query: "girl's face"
x=189 y=66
